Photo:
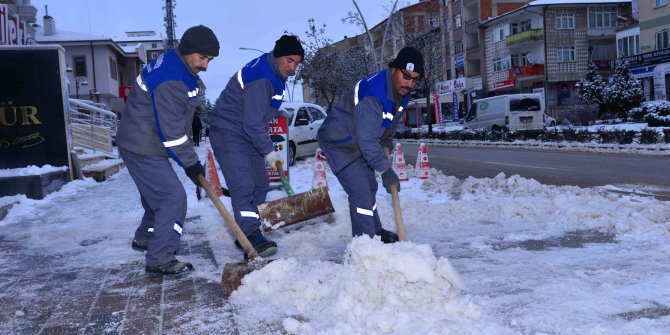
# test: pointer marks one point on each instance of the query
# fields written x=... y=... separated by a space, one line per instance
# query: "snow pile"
x=402 y=288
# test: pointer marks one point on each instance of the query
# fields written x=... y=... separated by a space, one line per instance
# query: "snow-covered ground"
x=506 y=255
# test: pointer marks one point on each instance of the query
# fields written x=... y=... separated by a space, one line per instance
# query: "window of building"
x=457 y=21
x=662 y=39
x=629 y=45
x=602 y=16
x=501 y=63
x=152 y=55
x=154 y=45
x=519 y=59
x=458 y=47
x=565 y=20
x=113 y=69
x=565 y=54
x=659 y=3
x=79 y=66
x=434 y=22
x=500 y=33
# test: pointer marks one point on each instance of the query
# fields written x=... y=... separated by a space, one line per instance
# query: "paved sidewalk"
x=37 y=296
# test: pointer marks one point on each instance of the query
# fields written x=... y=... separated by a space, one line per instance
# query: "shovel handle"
x=399 y=222
x=230 y=220
x=282 y=178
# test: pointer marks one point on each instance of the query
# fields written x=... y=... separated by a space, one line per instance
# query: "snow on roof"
x=130 y=48
x=573 y=2
x=67 y=36
x=137 y=39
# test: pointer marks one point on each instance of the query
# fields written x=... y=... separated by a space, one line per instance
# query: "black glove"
x=389 y=178
x=194 y=171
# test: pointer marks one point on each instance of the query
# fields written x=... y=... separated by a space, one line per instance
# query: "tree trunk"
x=429 y=111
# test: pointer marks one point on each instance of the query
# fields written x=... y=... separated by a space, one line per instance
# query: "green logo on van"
x=483 y=105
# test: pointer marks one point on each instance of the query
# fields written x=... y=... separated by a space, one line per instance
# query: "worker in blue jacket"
x=239 y=133
x=356 y=131
x=154 y=128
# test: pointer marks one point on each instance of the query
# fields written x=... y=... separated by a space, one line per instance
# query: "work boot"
x=172 y=267
x=388 y=236
x=263 y=246
x=140 y=245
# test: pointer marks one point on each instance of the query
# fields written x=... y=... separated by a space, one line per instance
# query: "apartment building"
x=464 y=50
x=645 y=44
x=546 y=47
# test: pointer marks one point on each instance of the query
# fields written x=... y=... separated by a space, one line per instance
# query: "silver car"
x=304 y=120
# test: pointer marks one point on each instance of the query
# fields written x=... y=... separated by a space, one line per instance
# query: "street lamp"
x=94 y=93
x=252 y=49
x=79 y=81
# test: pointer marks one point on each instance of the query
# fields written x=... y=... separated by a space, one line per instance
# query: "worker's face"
x=288 y=64
x=197 y=62
x=404 y=81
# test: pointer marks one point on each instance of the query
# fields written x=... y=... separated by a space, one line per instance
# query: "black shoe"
x=388 y=236
x=263 y=246
x=140 y=245
x=172 y=267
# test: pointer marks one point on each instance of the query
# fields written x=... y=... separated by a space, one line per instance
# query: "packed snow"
x=503 y=255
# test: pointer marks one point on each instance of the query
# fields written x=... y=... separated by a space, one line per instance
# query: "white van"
x=506 y=112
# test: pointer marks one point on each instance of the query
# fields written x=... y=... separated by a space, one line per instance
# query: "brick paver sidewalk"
x=38 y=297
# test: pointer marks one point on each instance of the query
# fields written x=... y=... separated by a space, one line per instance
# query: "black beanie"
x=199 y=39
x=288 y=45
x=408 y=59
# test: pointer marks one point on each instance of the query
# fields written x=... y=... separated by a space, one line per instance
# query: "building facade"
x=645 y=45
x=99 y=69
x=546 y=47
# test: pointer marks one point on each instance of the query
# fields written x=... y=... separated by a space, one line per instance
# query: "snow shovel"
x=399 y=222
x=233 y=273
x=296 y=207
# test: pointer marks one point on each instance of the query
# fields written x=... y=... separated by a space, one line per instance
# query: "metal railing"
x=526 y=36
x=92 y=126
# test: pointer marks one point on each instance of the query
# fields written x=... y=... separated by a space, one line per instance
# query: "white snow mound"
x=399 y=288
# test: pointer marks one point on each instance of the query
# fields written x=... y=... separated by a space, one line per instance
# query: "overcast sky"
x=241 y=23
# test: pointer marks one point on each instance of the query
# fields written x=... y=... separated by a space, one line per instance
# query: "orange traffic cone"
x=422 y=165
x=319 y=175
x=211 y=174
x=398 y=164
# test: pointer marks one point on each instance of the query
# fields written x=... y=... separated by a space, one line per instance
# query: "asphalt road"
x=640 y=174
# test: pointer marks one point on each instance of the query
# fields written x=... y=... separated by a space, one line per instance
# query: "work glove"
x=272 y=158
x=388 y=145
x=389 y=178
x=194 y=171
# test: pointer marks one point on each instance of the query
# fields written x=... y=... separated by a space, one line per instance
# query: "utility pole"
x=170 y=24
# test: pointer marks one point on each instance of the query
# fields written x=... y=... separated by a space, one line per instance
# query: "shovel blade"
x=233 y=273
x=295 y=208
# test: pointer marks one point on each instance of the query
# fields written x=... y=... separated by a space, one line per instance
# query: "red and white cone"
x=319 y=175
x=422 y=165
x=211 y=174
x=398 y=164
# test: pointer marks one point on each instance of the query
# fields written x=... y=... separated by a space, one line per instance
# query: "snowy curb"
x=651 y=149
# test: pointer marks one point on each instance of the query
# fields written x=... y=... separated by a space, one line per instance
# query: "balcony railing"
x=527 y=71
x=528 y=35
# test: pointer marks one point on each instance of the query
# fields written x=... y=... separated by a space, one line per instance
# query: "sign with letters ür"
x=32 y=107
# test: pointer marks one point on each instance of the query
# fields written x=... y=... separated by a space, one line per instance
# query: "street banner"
x=278 y=131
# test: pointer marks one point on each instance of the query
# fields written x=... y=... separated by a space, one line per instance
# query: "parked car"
x=304 y=120
x=506 y=112
x=549 y=121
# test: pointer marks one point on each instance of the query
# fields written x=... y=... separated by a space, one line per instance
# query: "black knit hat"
x=409 y=59
x=199 y=39
x=288 y=45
